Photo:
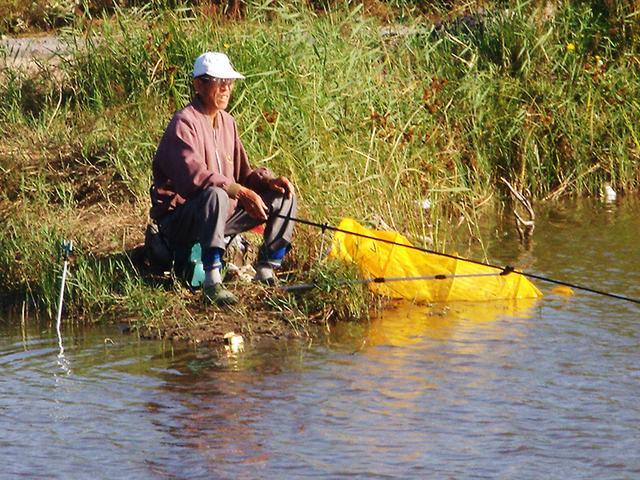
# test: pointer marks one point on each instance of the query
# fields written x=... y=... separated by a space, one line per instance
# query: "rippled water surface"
x=545 y=389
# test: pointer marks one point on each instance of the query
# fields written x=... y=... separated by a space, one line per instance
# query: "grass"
x=365 y=125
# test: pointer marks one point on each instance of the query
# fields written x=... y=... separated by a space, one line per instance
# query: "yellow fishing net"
x=378 y=259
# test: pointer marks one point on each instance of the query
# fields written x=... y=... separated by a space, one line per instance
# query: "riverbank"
x=367 y=122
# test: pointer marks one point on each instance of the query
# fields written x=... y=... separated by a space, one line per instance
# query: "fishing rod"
x=504 y=270
x=364 y=281
x=67 y=248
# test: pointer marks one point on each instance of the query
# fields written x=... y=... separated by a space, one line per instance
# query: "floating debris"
x=233 y=342
x=562 y=290
x=608 y=193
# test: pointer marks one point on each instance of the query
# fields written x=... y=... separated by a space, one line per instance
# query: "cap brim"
x=227 y=75
x=234 y=76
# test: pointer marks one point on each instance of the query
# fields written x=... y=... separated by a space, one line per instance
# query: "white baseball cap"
x=215 y=64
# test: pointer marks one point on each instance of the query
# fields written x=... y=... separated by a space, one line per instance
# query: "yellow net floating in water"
x=379 y=259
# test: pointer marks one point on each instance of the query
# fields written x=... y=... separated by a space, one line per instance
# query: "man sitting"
x=204 y=188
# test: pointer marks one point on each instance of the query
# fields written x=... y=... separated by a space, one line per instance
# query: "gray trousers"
x=203 y=218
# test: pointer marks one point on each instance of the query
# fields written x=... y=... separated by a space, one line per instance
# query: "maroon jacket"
x=193 y=154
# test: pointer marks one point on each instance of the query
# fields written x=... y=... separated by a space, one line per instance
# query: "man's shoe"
x=216 y=294
x=264 y=274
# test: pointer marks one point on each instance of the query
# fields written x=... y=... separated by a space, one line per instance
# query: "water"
x=545 y=389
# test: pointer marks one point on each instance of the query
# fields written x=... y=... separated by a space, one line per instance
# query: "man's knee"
x=290 y=204
x=277 y=201
x=213 y=198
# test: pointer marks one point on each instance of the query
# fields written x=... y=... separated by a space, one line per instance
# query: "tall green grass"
x=365 y=124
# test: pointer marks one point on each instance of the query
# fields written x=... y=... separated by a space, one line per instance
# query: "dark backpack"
x=157 y=248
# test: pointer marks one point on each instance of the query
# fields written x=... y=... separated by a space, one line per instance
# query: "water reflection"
x=226 y=397
x=258 y=408
x=405 y=323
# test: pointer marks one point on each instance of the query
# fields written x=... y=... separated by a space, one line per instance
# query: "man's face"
x=214 y=92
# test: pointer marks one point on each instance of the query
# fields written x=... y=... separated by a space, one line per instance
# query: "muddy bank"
x=263 y=310
x=28 y=53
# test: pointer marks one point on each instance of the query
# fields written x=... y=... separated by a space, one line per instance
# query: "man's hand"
x=252 y=203
x=282 y=185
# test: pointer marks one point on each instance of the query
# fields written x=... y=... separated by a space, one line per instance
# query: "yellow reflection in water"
x=407 y=323
x=448 y=338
